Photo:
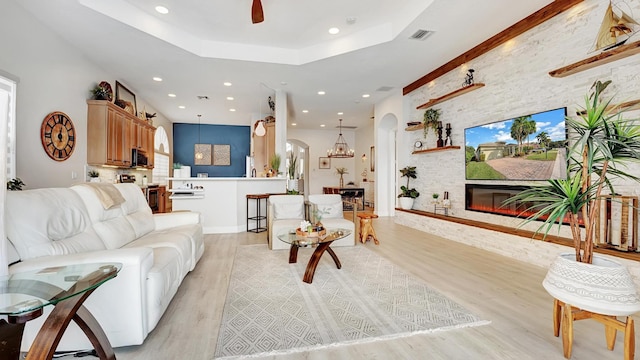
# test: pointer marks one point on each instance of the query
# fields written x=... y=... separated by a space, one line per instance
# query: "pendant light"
x=198 y=154
x=341 y=148
x=201 y=152
x=260 y=129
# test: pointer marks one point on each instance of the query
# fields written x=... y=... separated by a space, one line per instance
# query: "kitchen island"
x=222 y=200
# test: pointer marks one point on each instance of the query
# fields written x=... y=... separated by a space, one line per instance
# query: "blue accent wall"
x=185 y=136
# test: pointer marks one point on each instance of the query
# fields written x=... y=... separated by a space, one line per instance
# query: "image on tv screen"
x=531 y=147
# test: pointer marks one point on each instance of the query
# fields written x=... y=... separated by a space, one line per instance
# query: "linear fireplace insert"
x=490 y=199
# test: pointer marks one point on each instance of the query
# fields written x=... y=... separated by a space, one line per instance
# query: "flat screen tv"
x=531 y=147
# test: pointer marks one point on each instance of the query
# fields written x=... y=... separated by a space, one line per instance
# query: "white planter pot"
x=604 y=287
x=94 y=179
x=292 y=184
x=406 y=202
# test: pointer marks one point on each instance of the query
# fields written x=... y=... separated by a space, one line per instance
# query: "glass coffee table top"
x=290 y=237
x=26 y=292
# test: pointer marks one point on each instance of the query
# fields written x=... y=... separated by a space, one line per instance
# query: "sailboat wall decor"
x=615 y=29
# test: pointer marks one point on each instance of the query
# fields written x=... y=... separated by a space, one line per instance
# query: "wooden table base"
x=564 y=315
x=315 y=258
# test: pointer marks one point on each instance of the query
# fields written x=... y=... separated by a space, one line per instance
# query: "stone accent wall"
x=517 y=84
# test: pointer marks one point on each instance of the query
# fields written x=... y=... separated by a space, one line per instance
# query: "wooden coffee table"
x=320 y=243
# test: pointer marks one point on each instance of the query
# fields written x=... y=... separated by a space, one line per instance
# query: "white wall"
x=319 y=142
x=517 y=83
x=53 y=76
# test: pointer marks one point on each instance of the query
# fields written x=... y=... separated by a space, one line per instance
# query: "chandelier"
x=341 y=148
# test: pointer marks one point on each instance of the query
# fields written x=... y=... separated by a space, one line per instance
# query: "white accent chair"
x=330 y=206
x=284 y=212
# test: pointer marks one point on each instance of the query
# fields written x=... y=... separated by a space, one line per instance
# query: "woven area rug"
x=270 y=310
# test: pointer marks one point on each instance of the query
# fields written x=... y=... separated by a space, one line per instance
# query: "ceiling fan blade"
x=256 y=12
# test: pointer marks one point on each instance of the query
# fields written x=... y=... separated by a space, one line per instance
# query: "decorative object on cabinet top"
x=125 y=97
x=102 y=91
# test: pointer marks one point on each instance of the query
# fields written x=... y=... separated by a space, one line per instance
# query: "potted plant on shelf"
x=431 y=117
x=603 y=142
x=407 y=196
x=341 y=171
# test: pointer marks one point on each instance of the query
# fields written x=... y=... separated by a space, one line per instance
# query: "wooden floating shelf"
x=450 y=95
x=444 y=148
x=414 y=127
x=625 y=106
x=617 y=53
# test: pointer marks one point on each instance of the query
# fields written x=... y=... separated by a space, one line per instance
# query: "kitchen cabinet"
x=112 y=133
x=264 y=147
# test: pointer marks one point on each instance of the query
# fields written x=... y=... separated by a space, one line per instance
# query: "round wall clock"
x=417 y=145
x=58 y=136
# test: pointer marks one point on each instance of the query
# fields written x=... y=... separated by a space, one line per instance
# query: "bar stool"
x=366 y=227
x=259 y=217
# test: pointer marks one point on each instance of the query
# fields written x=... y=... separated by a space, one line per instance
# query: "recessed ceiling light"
x=229 y=97
x=305 y=111
x=162 y=10
x=171 y=95
x=227 y=83
x=293 y=124
x=340 y=113
x=232 y=110
x=155 y=78
x=182 y=107
x=322 y=125
x=334 y=30
x=365 y=95
x=321 y=92
x=283 y=83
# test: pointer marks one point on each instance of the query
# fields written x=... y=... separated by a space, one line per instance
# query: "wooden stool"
x=565 y=314
x=259 y=217
x=366 y=227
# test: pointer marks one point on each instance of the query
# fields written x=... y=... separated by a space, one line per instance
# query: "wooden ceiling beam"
x=531 y=21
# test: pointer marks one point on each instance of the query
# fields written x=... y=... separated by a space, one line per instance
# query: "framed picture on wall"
x=372 y=159
x=324 y=163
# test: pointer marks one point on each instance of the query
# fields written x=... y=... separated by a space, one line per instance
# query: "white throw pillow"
x=289 y=211
x=329 y=211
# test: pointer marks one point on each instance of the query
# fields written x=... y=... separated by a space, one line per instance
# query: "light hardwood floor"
x=505 y=291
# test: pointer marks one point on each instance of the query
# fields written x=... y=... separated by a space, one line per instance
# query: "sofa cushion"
x=110 y=224
x=329 y=205
x=169 y=239
x=136 y=209
x=163 y=281
x=51 y=221
x=288 y=206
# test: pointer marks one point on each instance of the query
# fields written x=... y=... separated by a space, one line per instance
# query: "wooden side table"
x=566 y=314
x=366 y=227
x=32 y=291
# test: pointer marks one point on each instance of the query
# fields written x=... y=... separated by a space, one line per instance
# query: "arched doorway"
x=386 y=165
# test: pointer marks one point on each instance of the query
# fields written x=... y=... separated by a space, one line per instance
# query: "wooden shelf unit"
x=450 y=95
x=444 y=148
x=617 y=53
x=414 y=127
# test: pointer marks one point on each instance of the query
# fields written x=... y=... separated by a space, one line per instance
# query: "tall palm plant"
x=603 y=141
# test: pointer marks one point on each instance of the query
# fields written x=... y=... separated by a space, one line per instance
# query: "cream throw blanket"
x=107 y=193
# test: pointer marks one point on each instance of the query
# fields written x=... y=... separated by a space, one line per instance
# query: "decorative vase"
x=604 y=287
x=406 y=202
x=341 y=181
x=94 y=179
x=292 y=184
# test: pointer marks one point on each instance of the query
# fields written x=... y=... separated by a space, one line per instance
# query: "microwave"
x=138 y=158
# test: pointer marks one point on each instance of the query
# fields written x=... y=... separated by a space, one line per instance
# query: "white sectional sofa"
x=88 y=224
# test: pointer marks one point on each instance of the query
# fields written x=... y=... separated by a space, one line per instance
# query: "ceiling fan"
x=256 y=12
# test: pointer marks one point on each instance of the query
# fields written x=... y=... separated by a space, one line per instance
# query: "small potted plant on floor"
x=603 y=143
x=407 y=196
